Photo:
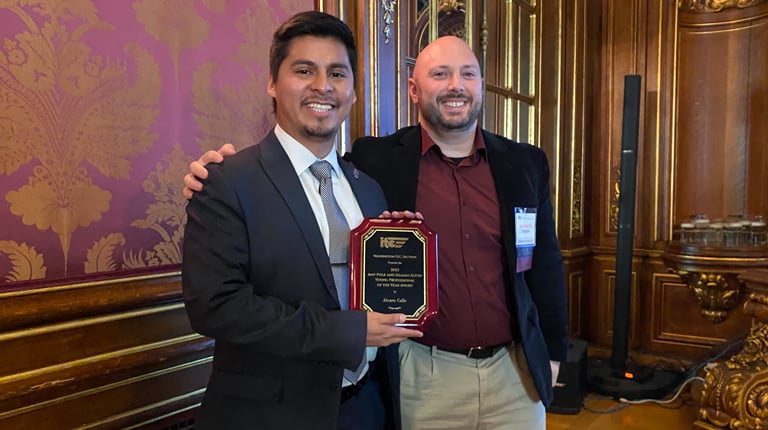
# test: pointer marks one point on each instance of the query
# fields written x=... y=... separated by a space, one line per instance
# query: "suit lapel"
x=369 y=205
x=279 y=169
x=511 y=183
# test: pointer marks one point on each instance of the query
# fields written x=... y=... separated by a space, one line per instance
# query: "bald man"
x=491 y=356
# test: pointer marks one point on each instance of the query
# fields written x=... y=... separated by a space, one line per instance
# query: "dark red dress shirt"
x=458 y=200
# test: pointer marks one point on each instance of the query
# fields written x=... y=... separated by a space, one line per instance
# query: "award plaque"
x=393 y=269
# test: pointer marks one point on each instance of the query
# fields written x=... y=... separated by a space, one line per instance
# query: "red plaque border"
x=361 y=233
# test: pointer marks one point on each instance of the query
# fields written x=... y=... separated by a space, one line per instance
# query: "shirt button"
x=471 y=268
x=466 y=235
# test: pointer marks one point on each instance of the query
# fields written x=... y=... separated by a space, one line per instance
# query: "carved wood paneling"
x=735 y=391
x=711 y=6
x=83 y=299
x=577 y=270
x=81 y=339
x=678 y=326
x=622 y=49
x=721 y=100
x=696 y=69
x=581 y=44
x=603 y=331
x=102 y=355
x=585 y=49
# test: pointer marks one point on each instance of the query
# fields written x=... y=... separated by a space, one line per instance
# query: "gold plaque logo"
x=392 y=242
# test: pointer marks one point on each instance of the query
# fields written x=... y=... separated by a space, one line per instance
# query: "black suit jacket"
x=256 y=278
x=521 y=175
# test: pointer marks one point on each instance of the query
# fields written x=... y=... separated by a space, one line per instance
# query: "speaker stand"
x=633 y=383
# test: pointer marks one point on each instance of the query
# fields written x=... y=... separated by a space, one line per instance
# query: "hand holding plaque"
x=393 y=269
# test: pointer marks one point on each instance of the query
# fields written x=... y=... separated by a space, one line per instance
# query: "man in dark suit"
x=490 y=358
x=261 y=254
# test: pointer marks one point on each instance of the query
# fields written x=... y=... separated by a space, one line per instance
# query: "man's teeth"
x=454 y=104
x=320 y=107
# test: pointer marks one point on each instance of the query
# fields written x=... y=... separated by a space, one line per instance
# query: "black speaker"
x=621 y=378
x=573 y=376
x=626 y=228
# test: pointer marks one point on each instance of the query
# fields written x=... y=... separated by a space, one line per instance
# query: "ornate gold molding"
x=713 y=274
x=38 y=291
x=716 y=293
x=484 y=34
x=576 y=196
x=450 y=6
x=710 y=6
x=388 y=6
x=735 y=392
x=613 y=209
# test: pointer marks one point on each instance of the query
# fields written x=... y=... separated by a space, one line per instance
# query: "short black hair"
x=310 y=23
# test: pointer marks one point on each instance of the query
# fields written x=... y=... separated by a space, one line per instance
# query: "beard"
x=432 y=114
x=320 y=132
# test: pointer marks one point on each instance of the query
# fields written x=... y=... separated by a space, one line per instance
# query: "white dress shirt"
x=301 y=158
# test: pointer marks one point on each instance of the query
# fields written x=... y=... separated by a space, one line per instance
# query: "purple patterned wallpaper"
x=103 y=104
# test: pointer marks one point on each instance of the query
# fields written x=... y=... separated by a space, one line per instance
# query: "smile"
x=320 y=107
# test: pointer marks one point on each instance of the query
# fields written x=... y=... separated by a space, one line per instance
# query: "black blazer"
x=521 y=175
x=257 y=279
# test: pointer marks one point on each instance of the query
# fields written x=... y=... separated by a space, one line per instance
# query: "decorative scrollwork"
x=576 y=197
x=735 y=392
x=709 y=6
x=484 y=36
x=754 y=353
x=717 y=293
x=450 y=6
x=615 y=195
x=388 y=6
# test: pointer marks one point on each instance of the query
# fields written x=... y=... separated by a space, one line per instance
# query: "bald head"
x=443 y=50
x=447 y=86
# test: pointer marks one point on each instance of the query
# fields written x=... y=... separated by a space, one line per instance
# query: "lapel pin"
x=356 y=173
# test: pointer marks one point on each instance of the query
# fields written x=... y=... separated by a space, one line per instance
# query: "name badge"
x=525 y=237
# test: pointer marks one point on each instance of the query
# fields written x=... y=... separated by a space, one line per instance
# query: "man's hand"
x=197 y=168
x=555 y=365
x=402 y=215
x=382 y=330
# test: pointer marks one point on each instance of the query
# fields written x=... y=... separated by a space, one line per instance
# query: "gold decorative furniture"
x=712 y=273
x=735 y=392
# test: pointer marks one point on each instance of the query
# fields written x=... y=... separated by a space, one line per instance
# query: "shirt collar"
x=301 y=157
x=428 y=144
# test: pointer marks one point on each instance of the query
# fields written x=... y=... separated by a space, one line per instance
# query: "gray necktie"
x=338 y=244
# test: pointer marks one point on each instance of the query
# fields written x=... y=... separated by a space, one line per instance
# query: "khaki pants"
x=442 y=390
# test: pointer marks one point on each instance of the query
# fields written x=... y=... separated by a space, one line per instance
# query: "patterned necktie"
x=338 y=244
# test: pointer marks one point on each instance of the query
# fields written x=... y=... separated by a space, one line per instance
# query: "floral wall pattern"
x=103 y=104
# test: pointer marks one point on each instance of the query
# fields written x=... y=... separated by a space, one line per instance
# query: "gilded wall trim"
x=90 y=284
x=577 y=227
x=388 y=8
x=711 y=6
x=450 y=6
x=484 y=52
x=434 y=8
x=578 y=76
x=371 y=91
x=106 y=387
x=88 y=322
x=613 y=208
x=469 y=21
x=123 y=353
